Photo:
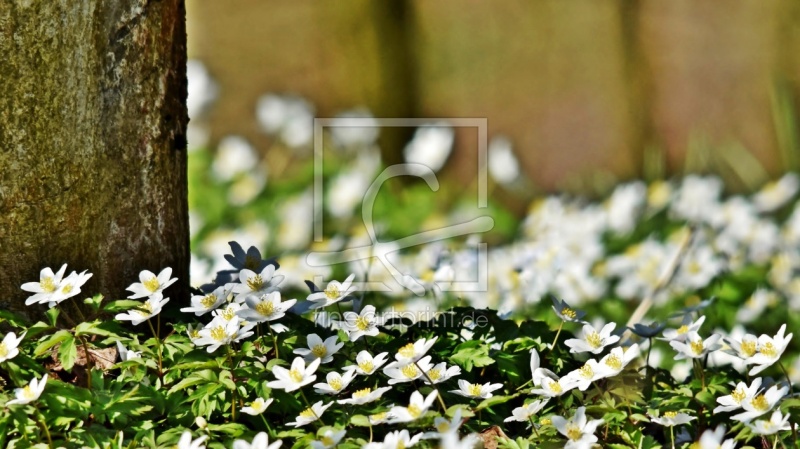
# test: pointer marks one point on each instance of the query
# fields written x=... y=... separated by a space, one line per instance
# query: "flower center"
x=3 y=350
x=27 y=393
x=209 y=301
x=749 y=348
x=296 y=375
x=319 y=351
x=255 y=283
x=228 y=313
x=266 y=308
x=574 y=433
x=362 y=393
x=332 y=291
x=362 y=323
x=47 y=285
x=738 y=395
x=443 y=426
x=251 y=263
x=760 y=403
x=414 y=411
x=769 y=350
x=218 y=333
x=696 y=347
x=378 y=416
x=546 y=421
x=148 y=309
x=327 y=441
x=367 y=366
x=434 y=374
x=407 y=351
x=586 y=371
x=410 y=371
x=614 y=362
x=194 y=333
x=151 y=284
x=683 y=329
x=66 y=289
x=569 y=313
x=670 y=415
x=336 y=383
x=474 y=389
x=555 y=387
x=594 y=340
x=258 y=404
x=308 y=413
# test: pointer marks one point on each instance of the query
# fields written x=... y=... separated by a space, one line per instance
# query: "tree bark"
x=92 y=142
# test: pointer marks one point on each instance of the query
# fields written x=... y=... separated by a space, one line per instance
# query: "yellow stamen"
x=319 y=351
x=614 y=362
x=407 y=351
x=308 y=413
x=586 y=371
x=594 y=340
x=683 y=329
x=768 y=349
x=569 y=313
x=151 y=284
x=218 y=333
x=574 y=433
x=738 y=395
x=47 y=285
x=696 y=347
x=362 y=323
x=555 y=387
x=474 y=390
x=410 y=371
x=255 y=283
x=670 y=415
x=414 y=411
x=295 y=375
x=434 y=374
x=3 y=350
x=760 y=403
x=332 y=291
x=66 y=289
x=749 y=348
x=367 y=366
x=362 y=393
x=336 y=383
x=265 y=308
x=209 y=301
x=228 y=314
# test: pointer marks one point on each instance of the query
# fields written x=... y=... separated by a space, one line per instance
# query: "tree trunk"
x=92 y=142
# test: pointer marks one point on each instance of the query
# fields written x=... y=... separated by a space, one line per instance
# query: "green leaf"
x=121 y=305
x=186 y=383
x=360 y=421
x=12 y=319
x=495 y=400
x=52 y=315
x=53 y=340
x=472 y=353
x=68 y=352
x=92 y=328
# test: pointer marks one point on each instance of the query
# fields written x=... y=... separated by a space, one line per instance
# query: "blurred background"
x=588 y=92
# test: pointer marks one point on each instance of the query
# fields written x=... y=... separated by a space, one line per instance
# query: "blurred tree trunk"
x=92 y=142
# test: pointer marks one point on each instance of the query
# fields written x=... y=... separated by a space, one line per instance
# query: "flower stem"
x=533 y=426
x=269 y=429
x=553 y=346
x=672 y=435
x=158 y=349
x=438 y=393
x=274 y=340
x=40 y=420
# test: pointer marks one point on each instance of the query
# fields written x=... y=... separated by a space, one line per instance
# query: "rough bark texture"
x=92 y=142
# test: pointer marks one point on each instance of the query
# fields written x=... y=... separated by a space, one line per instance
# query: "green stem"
x=672 y=435
x=319 y=418
x=274 y=340
x=533 y=426
x=40 y=420
x=158 y=350
x=553 y=346
x=269 y=429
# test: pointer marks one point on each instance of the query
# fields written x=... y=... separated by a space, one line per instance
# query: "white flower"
x=333 y=293
x=257 y=407
x=381 y=418
x=695 y=347
x=310 y=414
x=776 y=193
x=252 y=283
x=319 y=350
x=739 y=394
x=150 y=308
x=47 y=286
x=261 y=441
x=395 y=440
x=430 y=146
x=366 y=364
x=219 y=332
x=440 y=373
x=251 y=259
x=186 y=441
x=671 y=419
x=30 y=392
x=593 y=341
x=414 y=351
x=69 y=287
x=585 y=375
x=228 y=313
x=329 y=439
x=615 y=361
x=125 y=354
x=150 y=284
x=407 y=372
x=9 y=347
x=298 y=376
x=551 y=385
x=687 y=326
x=755 y=406
x=565 y=312
x=445 y=426
x=268 y=307
x=334 y=383
x=770 y=350
x=202 y=304
x=476 y=391
x=776 y=423
x=743 y=348
x=364 y=323
x=451 y=440
x=503 y=164
x=417 y=407
x=365 y=395
x=713 y=439
x=524 y=413
x=578 y=430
